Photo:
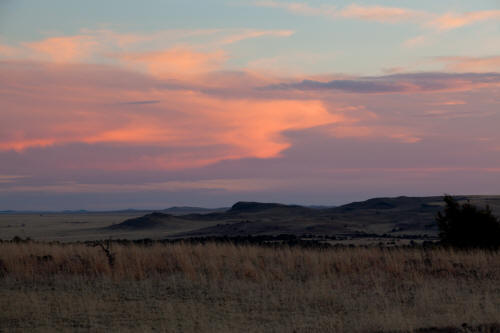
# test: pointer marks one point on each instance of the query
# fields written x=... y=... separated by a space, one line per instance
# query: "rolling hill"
x=400 y=216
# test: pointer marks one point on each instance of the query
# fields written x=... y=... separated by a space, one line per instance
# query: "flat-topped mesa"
x=248 y=206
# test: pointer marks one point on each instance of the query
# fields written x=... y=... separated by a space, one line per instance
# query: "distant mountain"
x=394 y=216
x=399 y=203
x=320 y=206
x=243 y=206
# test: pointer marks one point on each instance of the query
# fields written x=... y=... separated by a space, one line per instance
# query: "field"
x=396 y=220
x=228 y=288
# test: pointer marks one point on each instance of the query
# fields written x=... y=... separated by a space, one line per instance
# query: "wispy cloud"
x=239 y=185
x=104 y=45
x=249 y=34
x=416 y=41
x=450 y=21
x=246 y=126
x=9 y=51
x=65 y=49
x=398 y=83
x=405 y=135
x=353 y=11
x=176 y=61
x=382 y=14
x=4 y=179
x=471 y=64
x=385 y=14
x=141 y=102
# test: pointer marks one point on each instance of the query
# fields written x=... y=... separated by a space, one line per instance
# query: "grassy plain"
x=389 y=218
x=229 y=288
x=73 y=226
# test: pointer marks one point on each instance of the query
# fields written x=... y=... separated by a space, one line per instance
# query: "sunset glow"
x=270 y=101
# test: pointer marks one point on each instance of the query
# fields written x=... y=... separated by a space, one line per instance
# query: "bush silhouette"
x=467 y=226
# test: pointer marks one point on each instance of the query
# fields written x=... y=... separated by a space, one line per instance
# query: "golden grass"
x=228 y=288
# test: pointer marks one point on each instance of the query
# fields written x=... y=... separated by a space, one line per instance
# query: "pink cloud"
x=64 y=111
x=450 y=21
x=178 y=99
x=450 y=103
x=382 y=14
x=416 y=41
x=248 y=34
x=471 y=64
x=299 y=8
x=8 y=51
x=405 y=135
x=65 y=49
x=102 y=46
x=177 y=61
x=59 y=104
x=368 y=13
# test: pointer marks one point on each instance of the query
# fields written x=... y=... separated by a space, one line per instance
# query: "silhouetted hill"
x=391 y=216
x=244 y=206
x=148 y=221
x=399 y=203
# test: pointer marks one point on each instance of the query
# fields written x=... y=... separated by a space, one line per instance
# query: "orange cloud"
x=471 y=64
x=450 y=21
x=450 y=103
x=255 y=34
x=416 y=41
x=381 y=14
x=22 y=144
x=368 y=13
x=299 y=8
x=65 y=49
x=8 y=51
x=68 y=111
x=103 y=45
x=176 y=61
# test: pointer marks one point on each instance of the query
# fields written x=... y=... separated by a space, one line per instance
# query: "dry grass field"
x=228 y=288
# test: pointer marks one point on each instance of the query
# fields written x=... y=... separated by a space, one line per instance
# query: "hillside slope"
x=391 y=216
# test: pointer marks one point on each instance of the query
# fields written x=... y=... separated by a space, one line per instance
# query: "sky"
x=124 y=104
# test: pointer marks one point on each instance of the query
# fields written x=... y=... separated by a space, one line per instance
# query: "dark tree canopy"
x=467 y=226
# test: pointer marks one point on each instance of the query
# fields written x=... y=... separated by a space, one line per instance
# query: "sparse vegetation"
x=222 y=287
x=257 y=268
x=467 y=226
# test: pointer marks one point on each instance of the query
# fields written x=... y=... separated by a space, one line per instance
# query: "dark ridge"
x=245 y=206
x=203 y=216
x=148 y=221
x=387 y=203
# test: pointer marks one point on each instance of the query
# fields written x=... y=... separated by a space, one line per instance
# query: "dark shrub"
x=467 y=226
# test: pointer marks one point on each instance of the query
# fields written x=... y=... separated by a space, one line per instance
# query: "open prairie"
x=396 y=220
x=227 y=288
x=250 y=166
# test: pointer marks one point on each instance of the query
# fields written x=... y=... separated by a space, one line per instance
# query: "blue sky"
x=340 y=45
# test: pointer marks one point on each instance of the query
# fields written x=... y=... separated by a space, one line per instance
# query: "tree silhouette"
x=467 y=226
